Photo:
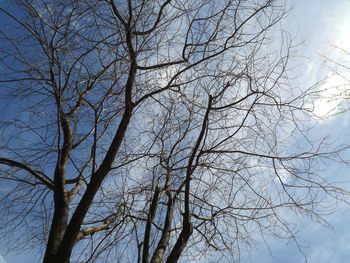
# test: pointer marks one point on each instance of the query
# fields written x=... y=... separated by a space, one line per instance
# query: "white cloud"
x=332 y=95
x=2 y=259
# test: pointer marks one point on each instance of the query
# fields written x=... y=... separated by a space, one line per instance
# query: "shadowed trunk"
x=61 y=203
x=180 y=243
x=71 y=234
x=151 y=214
x=164 y=240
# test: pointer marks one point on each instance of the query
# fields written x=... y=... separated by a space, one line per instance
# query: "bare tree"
x=164 y=127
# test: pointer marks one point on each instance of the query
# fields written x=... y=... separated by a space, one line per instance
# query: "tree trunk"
x=180 y=243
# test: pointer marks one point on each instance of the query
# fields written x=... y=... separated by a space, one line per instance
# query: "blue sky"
x=320 y=24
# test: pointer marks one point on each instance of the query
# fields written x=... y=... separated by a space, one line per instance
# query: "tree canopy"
x=153 y=131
